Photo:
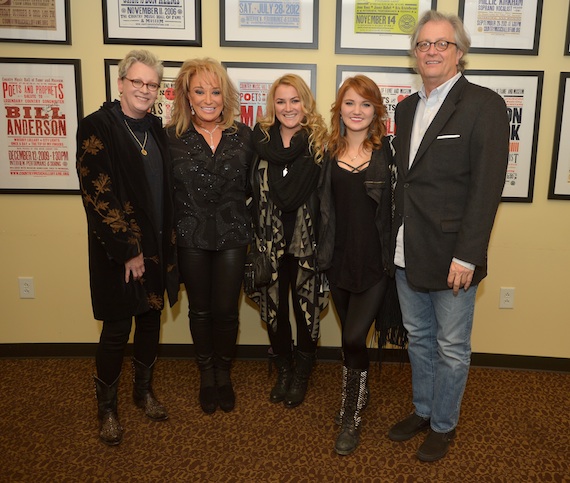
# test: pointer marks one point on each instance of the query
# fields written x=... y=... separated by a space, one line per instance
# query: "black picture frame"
x=61 y=34
x=182 y=28
x=391 y=44
x=561 y=146
x=258 y=36
x=505 y=44
x=515 y=87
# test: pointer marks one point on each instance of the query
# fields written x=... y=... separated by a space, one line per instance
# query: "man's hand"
x=459 y=277
x=135 y=266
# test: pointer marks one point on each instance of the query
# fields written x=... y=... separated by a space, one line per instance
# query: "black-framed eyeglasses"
x=137 y=84
x=440 y=45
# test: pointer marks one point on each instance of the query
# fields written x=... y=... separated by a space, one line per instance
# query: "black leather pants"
x=213 y=281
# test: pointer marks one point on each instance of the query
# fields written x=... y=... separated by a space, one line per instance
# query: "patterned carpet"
x=515 y=427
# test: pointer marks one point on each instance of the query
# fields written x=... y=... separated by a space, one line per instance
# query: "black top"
x=357 y=257
x=210 y=188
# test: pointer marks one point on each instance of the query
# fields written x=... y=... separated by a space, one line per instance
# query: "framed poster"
x=395 y=83
x=253 y=82
x=287 y=24
x=511 y=27
x=522 y=92
x=43 y=21
x=163 y=105
x=165 y=22
x=559 y=188
x=377 y=27
x=41 y=108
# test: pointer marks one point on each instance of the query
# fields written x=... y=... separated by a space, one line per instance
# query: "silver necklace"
x=143 y=144
x=211 y=133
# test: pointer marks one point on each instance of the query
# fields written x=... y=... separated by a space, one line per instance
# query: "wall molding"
x=260 y=352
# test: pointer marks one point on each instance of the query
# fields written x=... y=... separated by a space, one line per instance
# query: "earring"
x=192 y=110
x=342 y=127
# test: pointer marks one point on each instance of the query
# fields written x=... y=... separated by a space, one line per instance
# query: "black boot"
x=304 y=362
x=143 y=395
x=338 y=417
x=284 y=365
x=226 y=394
x=110 y=430
x=208 y=391
x=353 y=403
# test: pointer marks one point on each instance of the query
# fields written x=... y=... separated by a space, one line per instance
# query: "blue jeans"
x=439 y=332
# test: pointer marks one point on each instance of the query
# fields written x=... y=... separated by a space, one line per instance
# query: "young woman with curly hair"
x=289 y=142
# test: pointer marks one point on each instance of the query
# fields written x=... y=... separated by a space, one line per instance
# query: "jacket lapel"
x=440 y=120
x=404 y=132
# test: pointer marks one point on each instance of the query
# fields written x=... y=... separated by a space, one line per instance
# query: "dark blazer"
x=120 y=221
x=449 y=197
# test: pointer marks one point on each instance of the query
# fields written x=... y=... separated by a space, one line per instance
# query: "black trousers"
x=213 y=281
x=114 y=337
x=281 y=340
x=357 y=312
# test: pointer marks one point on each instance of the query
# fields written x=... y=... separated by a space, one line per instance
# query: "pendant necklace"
x=211 y=133
x=143 y=150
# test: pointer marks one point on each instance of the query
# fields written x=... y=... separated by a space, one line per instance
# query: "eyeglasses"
x=137 y=84
x=440 y=45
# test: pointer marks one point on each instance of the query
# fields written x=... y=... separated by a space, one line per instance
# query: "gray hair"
x=144 y=57
x=462 y=38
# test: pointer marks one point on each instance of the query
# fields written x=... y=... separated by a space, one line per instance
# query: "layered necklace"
x=211 y=133
x=142 y=145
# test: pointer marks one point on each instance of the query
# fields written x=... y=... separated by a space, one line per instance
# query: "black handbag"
x=257 y=269
x=257 y=264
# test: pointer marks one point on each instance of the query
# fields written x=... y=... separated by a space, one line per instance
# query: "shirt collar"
x=440 y=92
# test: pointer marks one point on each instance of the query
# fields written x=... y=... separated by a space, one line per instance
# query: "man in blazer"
x=451 y=144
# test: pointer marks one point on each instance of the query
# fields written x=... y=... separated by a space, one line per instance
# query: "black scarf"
x=293 y=190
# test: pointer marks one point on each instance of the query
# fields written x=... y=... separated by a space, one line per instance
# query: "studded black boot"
x=353 y=403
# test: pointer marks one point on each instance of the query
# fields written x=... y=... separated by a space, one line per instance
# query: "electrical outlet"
x=507 y=298
x=27 y=289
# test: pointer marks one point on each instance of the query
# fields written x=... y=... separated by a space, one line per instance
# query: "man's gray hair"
x=462 y=38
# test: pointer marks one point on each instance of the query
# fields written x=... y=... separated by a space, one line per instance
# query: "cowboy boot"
x=110 y=430
x=143 y=395
x=304 y=362
x=353 y=403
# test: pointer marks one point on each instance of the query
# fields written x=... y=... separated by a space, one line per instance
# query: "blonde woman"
x=211 y=155
x=289 y=145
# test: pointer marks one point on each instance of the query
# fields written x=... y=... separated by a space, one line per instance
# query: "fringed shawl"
x=311 y=287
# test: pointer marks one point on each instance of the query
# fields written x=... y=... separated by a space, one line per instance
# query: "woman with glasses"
x=211 y=153
x=121 y=162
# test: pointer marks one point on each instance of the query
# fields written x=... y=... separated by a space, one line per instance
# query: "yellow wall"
x=44 y=236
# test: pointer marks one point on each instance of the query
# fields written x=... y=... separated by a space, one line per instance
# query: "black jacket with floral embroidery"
x=117 y=200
